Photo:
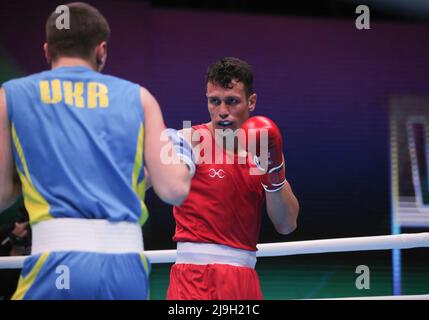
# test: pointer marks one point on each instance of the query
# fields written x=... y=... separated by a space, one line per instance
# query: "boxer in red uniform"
x=217 y=226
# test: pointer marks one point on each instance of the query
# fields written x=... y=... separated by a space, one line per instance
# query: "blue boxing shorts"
x=85 y=259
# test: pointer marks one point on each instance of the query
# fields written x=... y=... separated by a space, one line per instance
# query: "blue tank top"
x=78 y=144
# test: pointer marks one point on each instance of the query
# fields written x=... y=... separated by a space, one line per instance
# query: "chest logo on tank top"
x=219 y=173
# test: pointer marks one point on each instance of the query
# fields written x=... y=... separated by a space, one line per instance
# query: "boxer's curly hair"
x=88 y=28
x=225 y=70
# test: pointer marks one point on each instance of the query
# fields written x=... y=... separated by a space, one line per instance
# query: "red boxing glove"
x=271 y=159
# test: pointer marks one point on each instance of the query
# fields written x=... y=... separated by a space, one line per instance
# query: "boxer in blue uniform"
x=77 y=144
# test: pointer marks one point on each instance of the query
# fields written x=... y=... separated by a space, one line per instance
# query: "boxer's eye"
x=232 y=101
x=214 y=101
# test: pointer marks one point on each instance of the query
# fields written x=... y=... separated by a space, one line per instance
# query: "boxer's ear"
x=101 y=55
x=252 y=102
x=47 y=53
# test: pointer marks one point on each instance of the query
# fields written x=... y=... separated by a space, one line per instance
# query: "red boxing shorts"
x=213 y=282
x=208 y=271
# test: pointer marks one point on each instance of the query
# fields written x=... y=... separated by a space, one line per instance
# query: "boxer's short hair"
x=225 y=70
x=88 y=28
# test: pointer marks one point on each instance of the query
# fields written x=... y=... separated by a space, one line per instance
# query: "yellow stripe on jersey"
x=24 y=283
x=140 y=188
x=138 y=160
x=37 y=207
x=145 y=263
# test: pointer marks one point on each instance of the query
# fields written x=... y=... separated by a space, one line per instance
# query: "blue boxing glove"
x=183 y=148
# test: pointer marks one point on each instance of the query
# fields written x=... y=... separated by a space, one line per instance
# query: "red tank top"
x=223 y=206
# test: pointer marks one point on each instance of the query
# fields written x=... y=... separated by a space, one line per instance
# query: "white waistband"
x=209 y=253
x=89 y=235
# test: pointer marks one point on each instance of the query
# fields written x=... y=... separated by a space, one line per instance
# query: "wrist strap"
x=183 y=149
x=278 y=185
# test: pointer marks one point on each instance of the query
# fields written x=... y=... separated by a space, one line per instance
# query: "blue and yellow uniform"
x=78 y=149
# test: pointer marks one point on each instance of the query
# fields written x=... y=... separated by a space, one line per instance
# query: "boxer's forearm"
x=283 y=208
x=171 y=181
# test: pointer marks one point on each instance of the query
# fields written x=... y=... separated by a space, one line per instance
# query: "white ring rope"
x=400 y=241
